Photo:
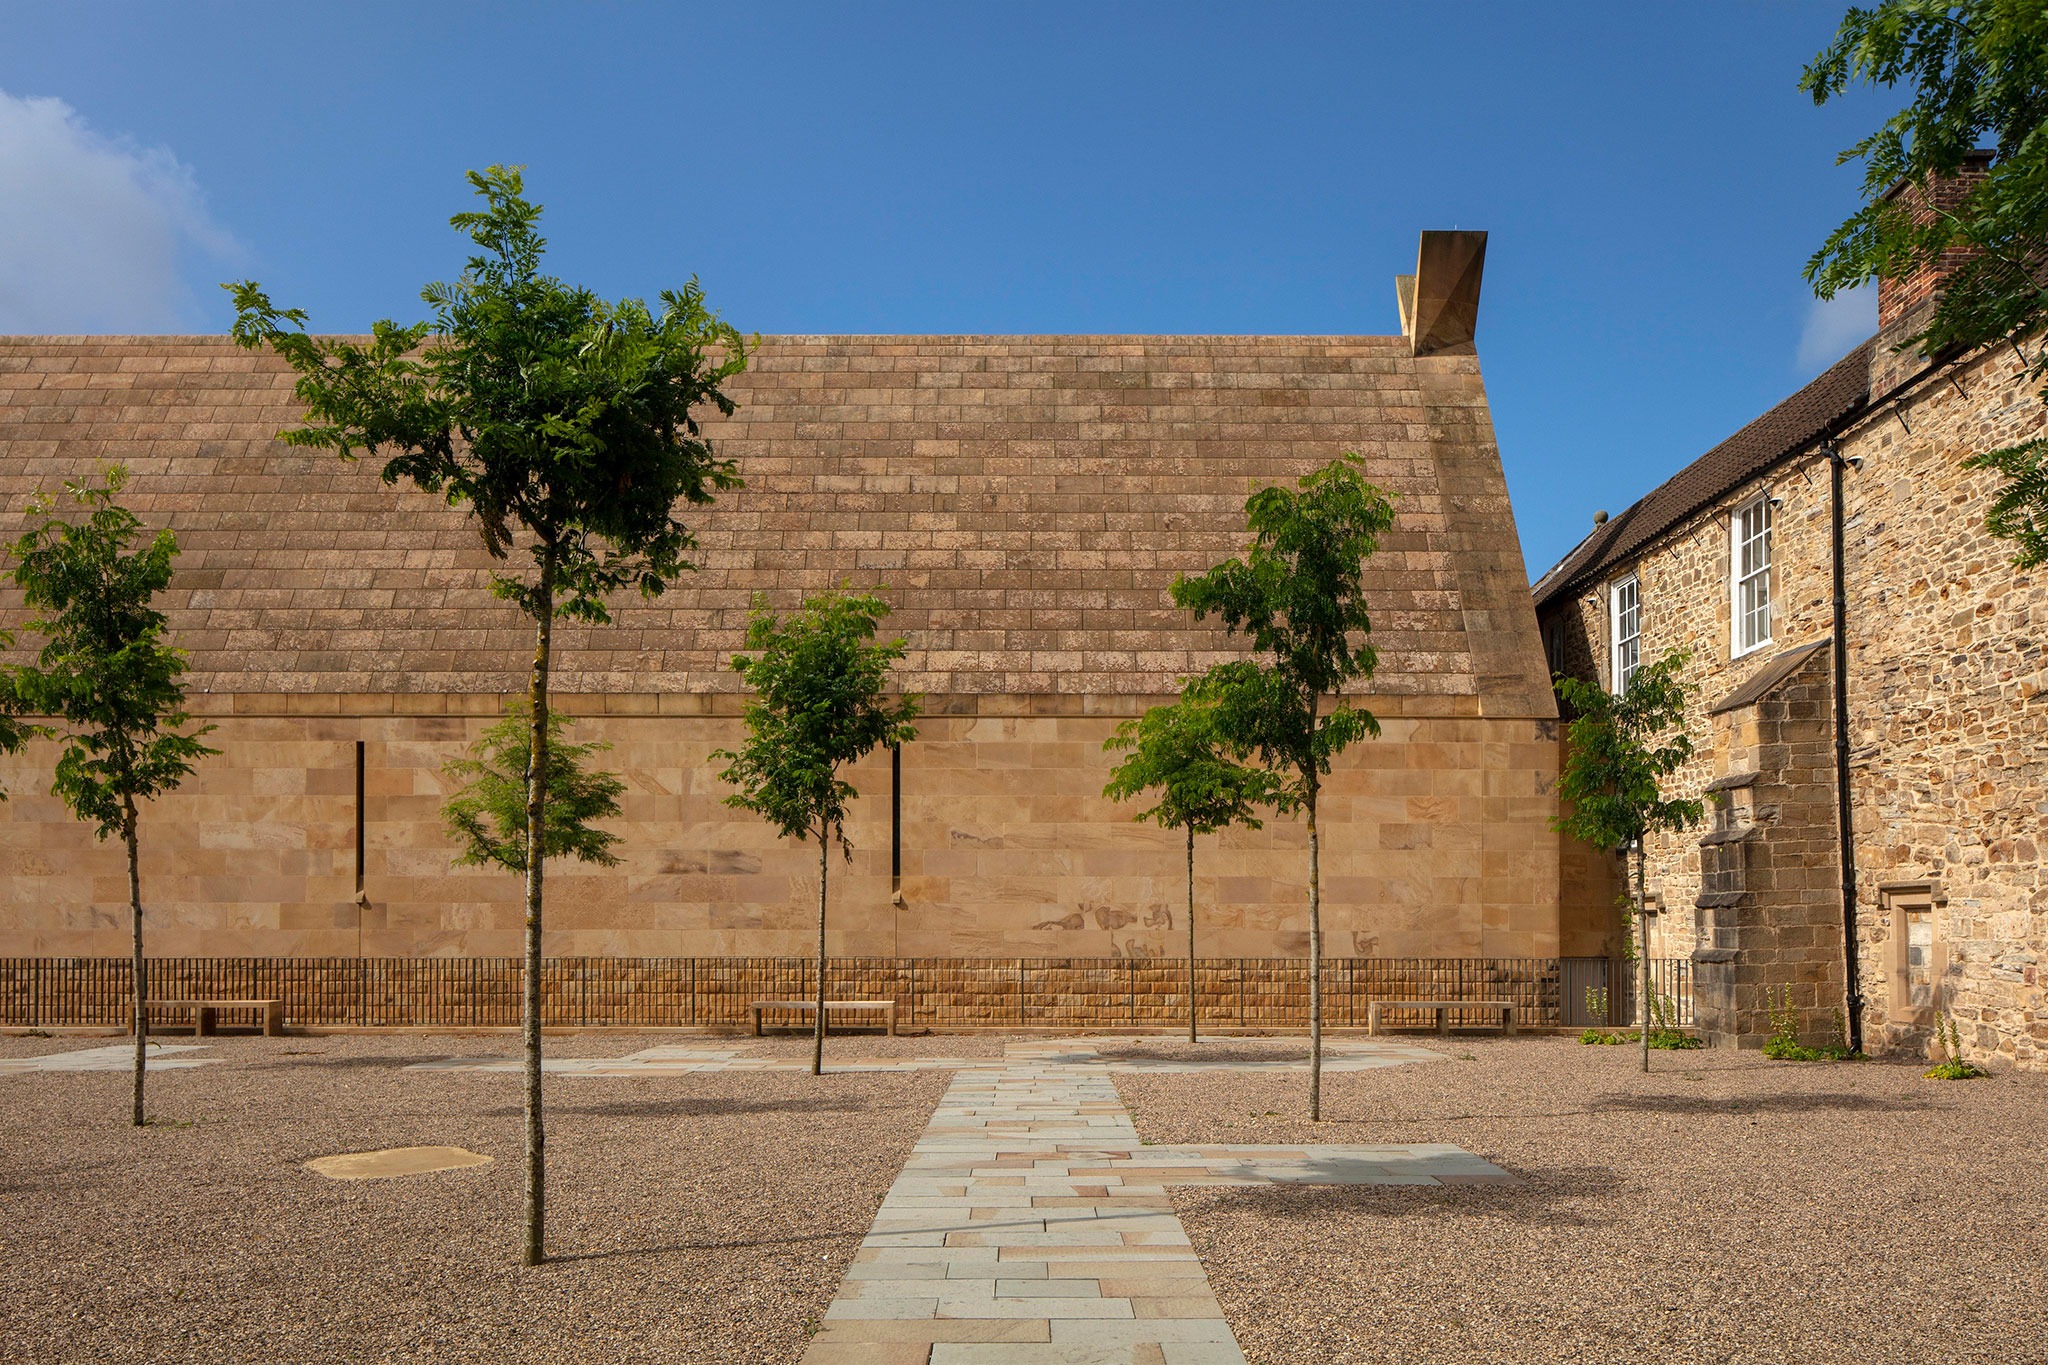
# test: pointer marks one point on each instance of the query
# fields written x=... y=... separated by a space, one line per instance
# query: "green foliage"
x=1663 y=1039
x=1176 y=751
x=2019 y=510
x=817 y=680
x=14 y=732
x=487 y=816
x=105 y=670
x=1978 y=72
x=1674 y=1040
x=1299 y=595
x=562 y=420
x=1952 y=1066
x=1616 y=766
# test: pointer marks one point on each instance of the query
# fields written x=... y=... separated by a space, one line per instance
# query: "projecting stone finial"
x=1440 y=301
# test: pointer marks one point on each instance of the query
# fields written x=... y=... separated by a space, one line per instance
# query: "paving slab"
x=119 y=1057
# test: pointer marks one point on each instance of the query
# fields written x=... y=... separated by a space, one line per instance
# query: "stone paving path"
x=120 y=1057
x=1032 y=1224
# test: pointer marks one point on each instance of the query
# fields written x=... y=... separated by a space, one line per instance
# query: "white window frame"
x=1756 y=574
x=1624 y=653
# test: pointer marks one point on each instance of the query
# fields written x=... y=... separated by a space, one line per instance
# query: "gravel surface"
x=702 y=1218
x=1725 y=1208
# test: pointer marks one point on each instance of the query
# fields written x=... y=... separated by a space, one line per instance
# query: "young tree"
x=1299 y=595
x=487 y=815
x=817 y=706
x=1175 y=751
x=108 y=676
x=565 y=423
x=1978 y=71
x=1621 y=750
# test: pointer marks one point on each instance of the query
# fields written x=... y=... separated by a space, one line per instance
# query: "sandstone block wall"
x=1438 y=845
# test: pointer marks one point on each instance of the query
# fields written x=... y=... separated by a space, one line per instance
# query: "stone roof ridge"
x=1784 y=430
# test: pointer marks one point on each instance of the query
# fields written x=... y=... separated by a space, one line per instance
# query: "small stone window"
x=1749 y=558
x=1624 y=628
x=1553 y=646
x=1916 y=955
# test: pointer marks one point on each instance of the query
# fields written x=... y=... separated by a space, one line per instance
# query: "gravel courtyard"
x=699 y=1217
x=1725 y=1209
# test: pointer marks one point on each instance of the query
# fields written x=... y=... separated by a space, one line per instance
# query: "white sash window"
x=1749 y=560
x=1624 y=629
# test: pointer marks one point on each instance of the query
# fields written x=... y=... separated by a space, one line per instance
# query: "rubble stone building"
x=1942 y=671
x=1025 y=501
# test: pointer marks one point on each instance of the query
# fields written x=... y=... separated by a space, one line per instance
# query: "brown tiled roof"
x=1786 y=429
x=1026 y=500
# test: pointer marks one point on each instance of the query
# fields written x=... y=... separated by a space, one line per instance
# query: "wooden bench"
x=206 y=1013
x=886 y=1008
x=1443 y=1010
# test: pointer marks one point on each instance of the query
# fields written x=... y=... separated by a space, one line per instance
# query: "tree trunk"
x=1315 y=966
x=534 y=1250
x=1191 y=934
x=1643 y=953
x=818 y=1025
x=141 y=971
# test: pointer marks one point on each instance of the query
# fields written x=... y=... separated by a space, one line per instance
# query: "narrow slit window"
x=895 y=819
x=1625 y=610
x=361 y=842
x=1750 y=557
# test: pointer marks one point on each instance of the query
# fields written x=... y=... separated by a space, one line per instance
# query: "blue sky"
x=1651 y=176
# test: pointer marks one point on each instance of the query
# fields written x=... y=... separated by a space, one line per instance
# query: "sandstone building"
x=1025 y=500
x=1942 y=670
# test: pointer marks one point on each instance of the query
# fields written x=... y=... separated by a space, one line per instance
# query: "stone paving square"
x=1031 y=1202
x=119 y=1057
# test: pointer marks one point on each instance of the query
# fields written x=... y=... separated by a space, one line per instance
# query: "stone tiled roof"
x=1026 y=500
x=1786 y=429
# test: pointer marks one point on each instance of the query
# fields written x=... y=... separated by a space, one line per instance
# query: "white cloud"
x=1834 y=325
x=95 y=231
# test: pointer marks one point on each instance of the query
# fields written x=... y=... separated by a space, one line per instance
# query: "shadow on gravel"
x=1552 y=1197
x=675 y=1248
x=698 y=1107
x=1702 y=1105
x=312 y=1061
x=1204 y=1054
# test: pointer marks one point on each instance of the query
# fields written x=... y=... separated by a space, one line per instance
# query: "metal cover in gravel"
x=395 y=1161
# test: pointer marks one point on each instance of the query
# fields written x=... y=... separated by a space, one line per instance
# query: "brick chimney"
x=1905 y=303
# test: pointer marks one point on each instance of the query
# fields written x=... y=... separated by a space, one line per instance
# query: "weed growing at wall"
x=1952 y=1067
x=1784 y=1046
